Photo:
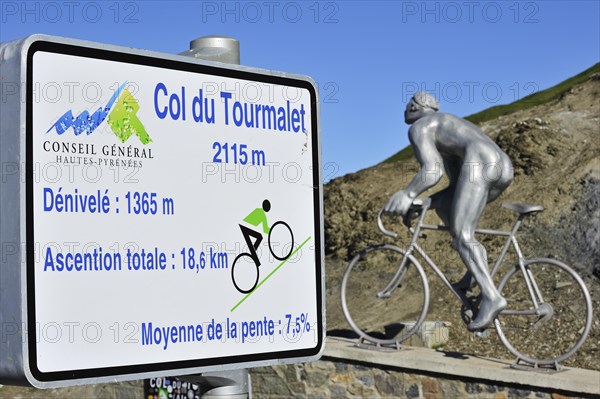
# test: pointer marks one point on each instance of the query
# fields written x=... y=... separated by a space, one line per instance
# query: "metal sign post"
x=160 y=215
x=233 y=384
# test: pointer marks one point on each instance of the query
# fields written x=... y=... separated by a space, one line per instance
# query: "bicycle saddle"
x=523 y=209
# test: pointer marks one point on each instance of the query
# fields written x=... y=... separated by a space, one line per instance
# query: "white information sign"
x=174 y=215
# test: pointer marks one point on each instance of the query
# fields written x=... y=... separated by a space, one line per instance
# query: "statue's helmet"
x=426 y=100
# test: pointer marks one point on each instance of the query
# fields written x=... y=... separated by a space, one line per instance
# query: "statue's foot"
x=488 y=310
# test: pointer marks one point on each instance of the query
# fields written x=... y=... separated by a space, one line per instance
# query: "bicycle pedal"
x=481 y=334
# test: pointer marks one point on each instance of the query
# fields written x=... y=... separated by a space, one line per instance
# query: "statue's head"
x=420 y=105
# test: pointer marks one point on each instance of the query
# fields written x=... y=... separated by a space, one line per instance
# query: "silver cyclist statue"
x=478 y=171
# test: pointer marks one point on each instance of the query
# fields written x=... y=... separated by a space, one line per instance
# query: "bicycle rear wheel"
x=551 y=325
x=386 y=320
x=244 y=273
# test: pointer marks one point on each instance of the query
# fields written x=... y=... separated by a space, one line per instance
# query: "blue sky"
x=367 y=57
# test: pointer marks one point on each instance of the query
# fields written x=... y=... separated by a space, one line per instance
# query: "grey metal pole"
x=231 y=384
x=215 y=48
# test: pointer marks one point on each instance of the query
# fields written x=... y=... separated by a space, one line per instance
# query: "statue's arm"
x=432 y=169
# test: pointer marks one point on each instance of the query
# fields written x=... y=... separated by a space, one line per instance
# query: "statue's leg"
x=442 y=203
x=442 y=200
x=466 y=283
x=500 y=175
x=469 y=201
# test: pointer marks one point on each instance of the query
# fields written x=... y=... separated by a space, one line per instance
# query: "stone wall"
x=329 y=379
x=124 y=390
x=340 y=380
x=348 y=370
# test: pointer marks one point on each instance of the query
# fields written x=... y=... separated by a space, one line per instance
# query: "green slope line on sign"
x=269 y=275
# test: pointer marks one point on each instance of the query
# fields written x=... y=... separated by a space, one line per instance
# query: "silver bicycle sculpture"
x=544 y=295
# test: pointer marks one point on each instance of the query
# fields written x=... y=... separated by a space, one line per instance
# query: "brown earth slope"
x=555 y=150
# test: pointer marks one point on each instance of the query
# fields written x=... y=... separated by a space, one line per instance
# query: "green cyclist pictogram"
x=259 y=217
x=248 y=263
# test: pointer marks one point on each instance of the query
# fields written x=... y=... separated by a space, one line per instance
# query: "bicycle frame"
x=532 y=287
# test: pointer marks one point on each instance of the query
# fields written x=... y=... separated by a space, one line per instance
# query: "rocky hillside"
x=554 y=145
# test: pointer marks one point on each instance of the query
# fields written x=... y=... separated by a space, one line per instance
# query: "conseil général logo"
x=121 y=112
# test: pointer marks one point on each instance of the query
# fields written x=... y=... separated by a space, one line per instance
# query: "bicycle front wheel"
x=281 y=240
x=549 y=321
x=384 y=318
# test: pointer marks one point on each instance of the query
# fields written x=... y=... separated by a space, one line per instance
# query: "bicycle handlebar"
x=414 y=211
x=382 y=227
